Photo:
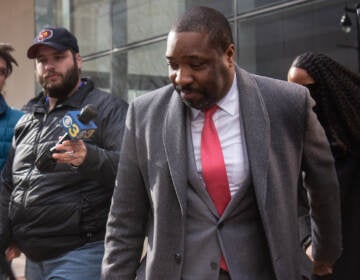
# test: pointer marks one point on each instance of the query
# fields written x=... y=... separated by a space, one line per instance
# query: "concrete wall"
x=17 y=28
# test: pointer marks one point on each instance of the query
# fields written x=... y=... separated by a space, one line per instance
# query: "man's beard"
x=201 y=104
x=61 y=90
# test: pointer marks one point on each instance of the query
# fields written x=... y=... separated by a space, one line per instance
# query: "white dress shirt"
x=229 y=127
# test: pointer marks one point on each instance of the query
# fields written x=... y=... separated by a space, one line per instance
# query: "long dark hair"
x=337 y=95
x=5 y=54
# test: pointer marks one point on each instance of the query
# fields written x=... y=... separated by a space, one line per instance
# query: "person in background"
x=8 y=117
x=209 y=171
x=56 y=212
x=336 y=91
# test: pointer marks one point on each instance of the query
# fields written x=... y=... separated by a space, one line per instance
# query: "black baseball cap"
x=56 y=37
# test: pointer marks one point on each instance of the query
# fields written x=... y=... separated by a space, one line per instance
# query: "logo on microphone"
x=67 y=121
x=71 y=127
x=78 y=124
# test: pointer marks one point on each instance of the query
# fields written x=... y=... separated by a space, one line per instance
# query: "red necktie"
x=213 y=167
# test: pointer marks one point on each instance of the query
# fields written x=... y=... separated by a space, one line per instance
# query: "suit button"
x=177 y=257
x=214 y=265
x=220 y=226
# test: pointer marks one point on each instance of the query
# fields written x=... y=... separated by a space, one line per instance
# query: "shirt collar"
x=229 y=103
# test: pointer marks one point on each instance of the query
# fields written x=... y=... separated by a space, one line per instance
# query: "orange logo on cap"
x=45 y=34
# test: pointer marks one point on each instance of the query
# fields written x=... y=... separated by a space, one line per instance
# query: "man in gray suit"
x=269 y=135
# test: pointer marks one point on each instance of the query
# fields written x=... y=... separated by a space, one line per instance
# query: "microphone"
x=77 y=125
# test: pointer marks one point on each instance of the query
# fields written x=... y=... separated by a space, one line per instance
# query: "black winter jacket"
x=49 y=213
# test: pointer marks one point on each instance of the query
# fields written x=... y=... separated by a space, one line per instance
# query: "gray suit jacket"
x=283 y=138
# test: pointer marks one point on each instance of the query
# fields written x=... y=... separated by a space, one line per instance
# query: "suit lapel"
x=174 y=141
x=257 y=132
x=257 y=136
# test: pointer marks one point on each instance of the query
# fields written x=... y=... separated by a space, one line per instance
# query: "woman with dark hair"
x=8 y=119
x=336 y=91
x=8 y=116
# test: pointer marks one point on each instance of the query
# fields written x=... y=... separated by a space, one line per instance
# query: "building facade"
x=123 y=42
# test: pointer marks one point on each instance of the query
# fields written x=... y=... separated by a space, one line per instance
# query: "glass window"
x=123 y=42
x=249 y=5
x=98 y=70
x=146 y=69
x=47 y=14
x=148 y=19
x=268 y=43
x=91 y=23
x=226 y=7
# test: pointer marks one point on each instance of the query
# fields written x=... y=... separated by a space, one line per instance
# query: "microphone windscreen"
x=87 y=114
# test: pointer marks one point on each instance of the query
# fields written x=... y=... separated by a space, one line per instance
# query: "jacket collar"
x=174 y=141
x=257 y=131
x=74 y=102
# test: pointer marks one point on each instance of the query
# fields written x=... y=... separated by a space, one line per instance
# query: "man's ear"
x=230 y=55
x=78 y=60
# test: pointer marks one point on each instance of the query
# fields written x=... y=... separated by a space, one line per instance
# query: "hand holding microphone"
x=70 y=152
x=77 y=125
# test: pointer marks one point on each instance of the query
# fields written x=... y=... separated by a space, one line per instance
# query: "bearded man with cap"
x=56 y=213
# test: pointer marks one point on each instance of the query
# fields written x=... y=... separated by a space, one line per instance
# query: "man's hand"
x=322 y=268
x=71 y=152
x=319 y=268
x=12 y=252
